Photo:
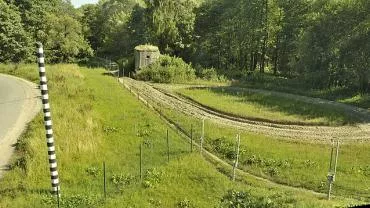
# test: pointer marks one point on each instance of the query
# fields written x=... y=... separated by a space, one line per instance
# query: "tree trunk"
x=264 y=47
x=276 y=54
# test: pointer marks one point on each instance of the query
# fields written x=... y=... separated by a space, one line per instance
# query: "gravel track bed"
x=315 y=134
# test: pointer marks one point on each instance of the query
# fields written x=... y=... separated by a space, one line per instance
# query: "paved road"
x=18 y=105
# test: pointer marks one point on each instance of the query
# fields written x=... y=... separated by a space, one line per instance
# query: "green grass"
x=268 y=107
x=96 y=120
x=299 y=87
x=293 y=163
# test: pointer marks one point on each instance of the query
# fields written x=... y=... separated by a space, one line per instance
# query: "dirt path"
x=19 y=104
x=316 y=134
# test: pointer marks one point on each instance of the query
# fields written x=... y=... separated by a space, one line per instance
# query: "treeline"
x=55 y=23
x=325 y=43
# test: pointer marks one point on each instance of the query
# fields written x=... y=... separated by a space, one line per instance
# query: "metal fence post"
x=105 y=181
x=141 y=161
x=168 y=148
x=237 y=156
x=191 y=138
x=202 y=137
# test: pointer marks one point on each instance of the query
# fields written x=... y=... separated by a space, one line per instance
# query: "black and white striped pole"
x=48 y=123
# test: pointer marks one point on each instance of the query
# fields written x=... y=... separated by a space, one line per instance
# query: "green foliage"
x=167 y=70
x=93 y=171
x=223 y=147
x=152 y=178
x=172 y=24
x=185 y=204
x=74 y=201
x=241 y=199
x=54 y=23
x=121 y=181
x=322 y=42
x=209 y=74
x=64 y=39
x=187 y=176
x=15 y=42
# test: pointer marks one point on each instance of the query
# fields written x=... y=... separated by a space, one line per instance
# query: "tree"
x=15 y=44
x=65 y=41
x=172 y=24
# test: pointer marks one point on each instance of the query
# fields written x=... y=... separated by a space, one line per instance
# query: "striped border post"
x=48 y=122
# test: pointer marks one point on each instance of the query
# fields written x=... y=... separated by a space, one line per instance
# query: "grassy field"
x=95 y=120
x=296 y=86
x=268 y=107
x=293 y=163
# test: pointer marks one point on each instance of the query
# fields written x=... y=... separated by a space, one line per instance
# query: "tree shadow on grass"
x=308 y=111
x=20 y=190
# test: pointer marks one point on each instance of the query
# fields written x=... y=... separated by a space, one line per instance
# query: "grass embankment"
x=95 y=120
x=268 y=106
x=293 y=163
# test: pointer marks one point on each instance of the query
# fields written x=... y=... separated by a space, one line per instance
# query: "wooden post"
x=58 y=196
x=332 y=172
x=118 y=75
x=202 y=137
x=105 y=181
x=336 y=159
x=331 y=155
x=191 y=138
x=141 y=161
x=237 y=156
x=168 y=148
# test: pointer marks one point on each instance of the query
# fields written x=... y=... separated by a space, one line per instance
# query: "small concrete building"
x=145 y=55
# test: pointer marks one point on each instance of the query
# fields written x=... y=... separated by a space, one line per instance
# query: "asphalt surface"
x=19 y=103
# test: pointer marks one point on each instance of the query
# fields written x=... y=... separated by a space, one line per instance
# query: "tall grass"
x=293 y=163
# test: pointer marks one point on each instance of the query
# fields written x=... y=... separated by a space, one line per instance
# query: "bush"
x=185 y=204
x=221 y=146
x=121 y=181
x=152 y=178
x=210 y=74
x=167 y=70
x=241 y=199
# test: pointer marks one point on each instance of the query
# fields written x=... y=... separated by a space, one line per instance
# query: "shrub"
x=121 y=181
x=243 y=199
x=152 y=177
x=211 y=74
x=93 y=171
x=221 y=146
x=185 y=204
x=167 y=70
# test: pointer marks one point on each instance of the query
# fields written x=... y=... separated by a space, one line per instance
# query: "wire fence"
x=149 y=154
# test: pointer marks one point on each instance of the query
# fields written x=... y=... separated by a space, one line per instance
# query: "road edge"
x=31 y=107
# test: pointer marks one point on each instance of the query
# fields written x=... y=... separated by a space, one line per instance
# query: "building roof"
x=149 y=48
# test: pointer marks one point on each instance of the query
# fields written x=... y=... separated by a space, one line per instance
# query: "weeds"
x=93 y=171
x=152 y=178
x=185 y=203
x=121 y=181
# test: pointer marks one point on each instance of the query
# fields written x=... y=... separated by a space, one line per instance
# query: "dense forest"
x=325 y=43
